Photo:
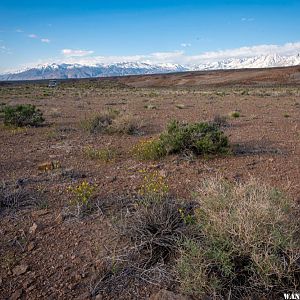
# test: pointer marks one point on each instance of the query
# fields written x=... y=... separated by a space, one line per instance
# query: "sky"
x=186 y=32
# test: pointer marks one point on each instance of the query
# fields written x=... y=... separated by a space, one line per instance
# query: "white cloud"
x=5 y=50
x=72 y=53
x=166 y=56
x=45 y=41
x=286 y=49
x=181 y=57
x=32 y=36
x=85 y=57
x=185 y=45
x=247 y=19
x=19 y=30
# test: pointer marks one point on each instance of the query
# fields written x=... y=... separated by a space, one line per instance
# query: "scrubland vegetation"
x=134 y=203
x=22 y=115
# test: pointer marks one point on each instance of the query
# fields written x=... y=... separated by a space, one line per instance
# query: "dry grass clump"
x=14 y=197
x=235 y=241
x=126 y=124
x=100 y=122
x=250 y=244
x=153 y=227
x=112 y=121
x=220 y=121
x=156 y=225
x=154 y=232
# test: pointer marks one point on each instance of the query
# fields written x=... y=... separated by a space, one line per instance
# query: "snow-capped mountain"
x=263 y=61
x=64 y=70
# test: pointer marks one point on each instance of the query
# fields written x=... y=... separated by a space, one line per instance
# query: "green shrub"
x=191 y=269
x=22 y=115
x=235 y=114
x=200 y=138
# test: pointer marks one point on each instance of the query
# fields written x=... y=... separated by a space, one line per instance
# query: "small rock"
x=33 y=228
x=16 y=295
x=99 y=297
x=150 y=106
x=19 y=270
x=30 y=246
x=180 y=106
x=46 y=166
x=77 y=277
x=167 y=295
x=59 y=219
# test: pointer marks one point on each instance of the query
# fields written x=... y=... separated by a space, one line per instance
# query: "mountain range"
x=65 y=70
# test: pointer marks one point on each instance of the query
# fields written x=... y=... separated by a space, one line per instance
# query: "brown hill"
x=271 y=76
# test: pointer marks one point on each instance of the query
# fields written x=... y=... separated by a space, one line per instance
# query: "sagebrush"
x=22 y=115
x=112 y=121
x=250 y=242
x=199 y=138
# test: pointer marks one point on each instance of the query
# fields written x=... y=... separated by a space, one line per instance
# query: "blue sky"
x=39 y=31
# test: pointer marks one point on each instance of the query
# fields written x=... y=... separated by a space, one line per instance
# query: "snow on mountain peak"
x=79 y=70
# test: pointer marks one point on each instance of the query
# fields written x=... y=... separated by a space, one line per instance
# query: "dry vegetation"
x=120 y=189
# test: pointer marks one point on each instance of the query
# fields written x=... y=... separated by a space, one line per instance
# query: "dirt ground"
x=43 y=256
